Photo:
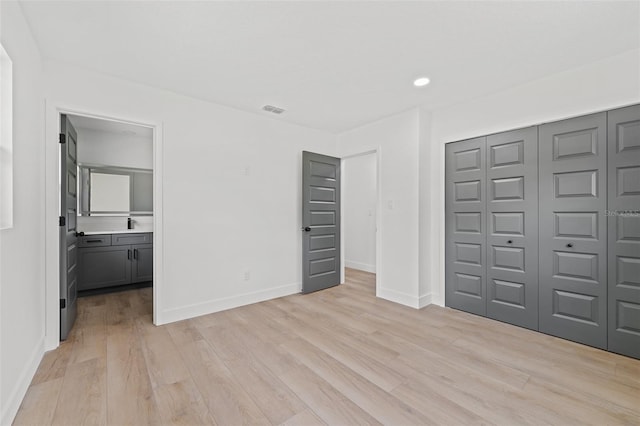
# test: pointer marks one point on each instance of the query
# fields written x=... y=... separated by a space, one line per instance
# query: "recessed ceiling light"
x=421 y=82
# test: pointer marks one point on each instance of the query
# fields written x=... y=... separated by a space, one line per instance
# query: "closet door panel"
x=573 y=234
x=512 y=227
x=623 y=218
x=465 y=256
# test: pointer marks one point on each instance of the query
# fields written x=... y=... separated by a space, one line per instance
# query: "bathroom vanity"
x=114 y=259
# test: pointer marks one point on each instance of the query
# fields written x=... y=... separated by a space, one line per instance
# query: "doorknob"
x=307 y=229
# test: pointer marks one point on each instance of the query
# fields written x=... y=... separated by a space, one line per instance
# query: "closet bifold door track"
x=573 y=229
x=465 y=231
x=623 y=216
x=512 y=227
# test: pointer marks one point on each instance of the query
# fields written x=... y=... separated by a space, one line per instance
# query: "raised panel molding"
x=628 y=318
x=575 y=306
x=508 y=189
x=507 y=223
x=576 y=224
x=628 y=181
x=508 y=258
x=467 y=191
x=508 y=293
x=469 y=253
x=575 y=144
x=322 y=266
x=321 y=194
x=468 y=285
x=628 y=271
x=322 y=170
x=628 y=228
x=322 y=242
x=576 y=184
x=582 y=266
x=467 y=160
x=323 y=218
x=468 y=222
x=507 y=154
x=628 y=136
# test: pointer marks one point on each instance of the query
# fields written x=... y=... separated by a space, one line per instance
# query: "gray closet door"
x=320 y=221
x=465 y=287
x=573 y=247
x=624 y=230
x=512 y=227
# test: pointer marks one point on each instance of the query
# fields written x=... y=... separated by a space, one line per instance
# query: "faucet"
x=129 y=223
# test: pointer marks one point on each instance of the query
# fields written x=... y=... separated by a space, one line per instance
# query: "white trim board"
x=225 y=303
x=53 y=110
x=9 y=411
x=360 y=266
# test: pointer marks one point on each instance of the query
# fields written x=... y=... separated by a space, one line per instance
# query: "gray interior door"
x=512 y=227
x=573 y=242
x=320 y=221
x=68 y=215
x=465 y=257
x=624 y=230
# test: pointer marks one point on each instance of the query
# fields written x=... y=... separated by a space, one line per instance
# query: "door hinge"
x=63 y=303
x=63 y=138
x=62 y=221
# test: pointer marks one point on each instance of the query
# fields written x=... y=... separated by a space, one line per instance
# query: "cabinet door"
x=104 y=266
x=142 y=266
x=624 y=230
x=465 y=286
x=512 y=227
x=573 y=235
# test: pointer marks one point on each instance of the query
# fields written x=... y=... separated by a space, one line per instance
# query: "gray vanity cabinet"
x=142 y=265
x=109 y=260
x=103 y=267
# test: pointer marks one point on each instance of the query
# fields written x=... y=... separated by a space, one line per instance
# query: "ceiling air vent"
x=273 y=109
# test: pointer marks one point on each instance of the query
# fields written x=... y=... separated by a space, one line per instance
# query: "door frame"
x=51 y=304
x=343 y=227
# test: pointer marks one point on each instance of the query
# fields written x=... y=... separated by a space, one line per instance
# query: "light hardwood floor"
x=338 y=357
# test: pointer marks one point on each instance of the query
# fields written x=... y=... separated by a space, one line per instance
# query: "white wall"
x=112 y=149
x=231 y=199
x=22 y=290
x=396 y=141
x=359 y=200
x=603 y=85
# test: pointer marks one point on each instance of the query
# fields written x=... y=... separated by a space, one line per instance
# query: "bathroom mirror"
x=112 y=191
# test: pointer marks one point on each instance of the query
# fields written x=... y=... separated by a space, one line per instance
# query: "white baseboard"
x=398 y=297
x=16 y=395
x=424 y=300
x=438 y=300
x=223 y=304
x=360 y=266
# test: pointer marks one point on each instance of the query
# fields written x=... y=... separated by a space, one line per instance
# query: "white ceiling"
x=332 y=65
x=108 y=126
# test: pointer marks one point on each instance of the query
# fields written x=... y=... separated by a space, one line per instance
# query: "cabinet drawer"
x=101 y=240
x=128 y=239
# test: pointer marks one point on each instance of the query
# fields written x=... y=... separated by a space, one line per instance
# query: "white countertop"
x=124 y=231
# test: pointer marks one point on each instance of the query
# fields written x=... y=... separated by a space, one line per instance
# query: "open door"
x=68 y=216
x=320 y=222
